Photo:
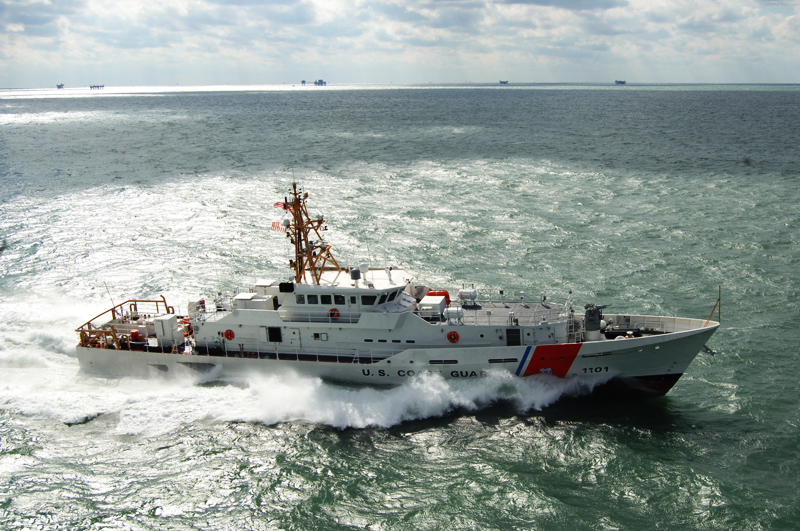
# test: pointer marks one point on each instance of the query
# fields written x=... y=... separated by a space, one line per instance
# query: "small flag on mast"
x=278 y=226
x=283 y=205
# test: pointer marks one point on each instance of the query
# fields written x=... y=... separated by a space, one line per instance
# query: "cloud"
x=397 y=13
x=257 y=3
x=573 y=5
x=372 y=40
x=37 y=18
x=457 y=19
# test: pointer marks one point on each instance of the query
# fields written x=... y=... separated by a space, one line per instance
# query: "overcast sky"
x=200 y=42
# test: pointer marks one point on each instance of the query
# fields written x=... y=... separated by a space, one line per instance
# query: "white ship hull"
x=648 y=365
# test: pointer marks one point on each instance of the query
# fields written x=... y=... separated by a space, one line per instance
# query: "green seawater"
x=647 y=199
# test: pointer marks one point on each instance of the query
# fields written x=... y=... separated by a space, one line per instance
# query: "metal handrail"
x=90 y=336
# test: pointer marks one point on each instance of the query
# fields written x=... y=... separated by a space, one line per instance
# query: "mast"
x=312 y=255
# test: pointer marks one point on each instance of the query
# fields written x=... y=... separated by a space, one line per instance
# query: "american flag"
x=278 y=226
x=283 y=205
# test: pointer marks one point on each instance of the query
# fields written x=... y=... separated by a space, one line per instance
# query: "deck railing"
x=132 y=310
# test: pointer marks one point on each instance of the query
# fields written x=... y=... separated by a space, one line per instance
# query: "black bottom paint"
x=639 y=386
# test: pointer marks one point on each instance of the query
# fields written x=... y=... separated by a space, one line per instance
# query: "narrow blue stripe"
x=524 y=359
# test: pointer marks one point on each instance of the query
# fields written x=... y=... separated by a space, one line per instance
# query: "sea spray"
x=151 y=407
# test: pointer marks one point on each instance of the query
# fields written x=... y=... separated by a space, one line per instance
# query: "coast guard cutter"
x=376 y=326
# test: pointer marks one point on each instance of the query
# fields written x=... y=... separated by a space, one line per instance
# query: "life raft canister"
x=440 y=293
x=229 y=335
x=333 y=313
x=452 y=336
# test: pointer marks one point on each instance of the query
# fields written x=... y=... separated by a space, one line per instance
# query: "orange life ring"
x=333 y=313
x=452 y=336
x=229 y=335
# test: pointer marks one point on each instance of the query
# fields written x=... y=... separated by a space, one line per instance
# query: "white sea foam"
x=272 y=399
x=60 y=392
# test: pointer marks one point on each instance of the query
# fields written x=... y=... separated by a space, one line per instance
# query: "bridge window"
x=368 y=300
x=338 y=300
x=300 y=299
x=313 y=299
x=325 y=299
